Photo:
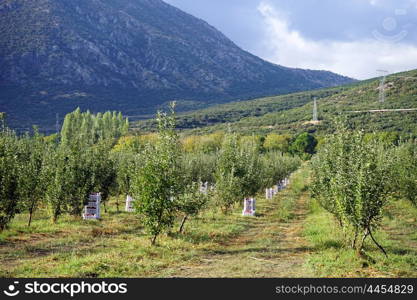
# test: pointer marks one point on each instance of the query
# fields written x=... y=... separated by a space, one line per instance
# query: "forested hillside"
x=292 y=113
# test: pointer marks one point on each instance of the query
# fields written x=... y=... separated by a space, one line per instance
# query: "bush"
x=275 y=142
x=304 y=145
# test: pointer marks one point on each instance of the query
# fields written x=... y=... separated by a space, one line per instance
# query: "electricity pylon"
x=315 y=113
x=382 y=85
x=57 y=123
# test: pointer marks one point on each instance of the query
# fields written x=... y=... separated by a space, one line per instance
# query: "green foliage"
x=74 y=174
x=191 y=201
x=82 y=162
x=85 y=129
x=103 y=169
x=384 y=138
x=228 y=173
x=275 y=142
x=251 y=114
x=304 y=145
x=199 y=166
x=242 y=171
x=352 y=181
x=405 y=171
x=157 y=184
x=31 y=179
x=277 y=166
x=55 y=171
x=205 y=143
x=291 y=114
x=39 y=170
x=9 y=171
x=252 y=171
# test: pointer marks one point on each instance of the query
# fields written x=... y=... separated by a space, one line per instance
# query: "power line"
x=383 y=110
x=405 y=77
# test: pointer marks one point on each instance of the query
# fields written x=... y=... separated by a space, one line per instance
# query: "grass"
x=286 y=206
x=330 y=257
x=115 y=246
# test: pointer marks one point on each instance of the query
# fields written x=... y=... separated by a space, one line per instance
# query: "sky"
x=351 y=37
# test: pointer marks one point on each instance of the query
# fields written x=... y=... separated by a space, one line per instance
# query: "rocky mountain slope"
x=129 y=55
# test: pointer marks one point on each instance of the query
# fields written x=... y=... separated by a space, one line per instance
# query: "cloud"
x=374 y=2
x=357 y=58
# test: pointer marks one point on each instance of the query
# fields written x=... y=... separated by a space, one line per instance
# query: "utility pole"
x=382 y=85
x=315 y=113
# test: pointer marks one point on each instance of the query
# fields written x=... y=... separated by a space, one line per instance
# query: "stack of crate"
x=92 y=209
x=269 y=193
x=129 y=204
x=249 y=207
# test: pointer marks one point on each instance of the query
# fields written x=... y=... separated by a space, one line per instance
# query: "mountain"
x=128 y=55
x=292 y=113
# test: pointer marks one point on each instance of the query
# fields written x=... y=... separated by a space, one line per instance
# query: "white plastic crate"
x=92 y=209
x=129 y=204
x=249 y=207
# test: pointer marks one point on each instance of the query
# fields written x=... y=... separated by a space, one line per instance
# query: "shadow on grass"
x=192 y=237
x=400 y=251
x=329 y=244
x=261 y=250
x=199 y=237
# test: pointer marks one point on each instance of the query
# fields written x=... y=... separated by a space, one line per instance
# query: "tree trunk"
x=153 y=241
x=57 y=212
x=182 y=223
x=359 y=249
x=355 y=239
x=376 y=243
x=31 y=209
x=55 y=218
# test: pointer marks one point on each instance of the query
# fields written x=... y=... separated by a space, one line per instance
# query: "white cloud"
x=359 y=59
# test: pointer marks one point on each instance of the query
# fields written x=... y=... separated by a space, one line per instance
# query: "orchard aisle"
x=271 y=247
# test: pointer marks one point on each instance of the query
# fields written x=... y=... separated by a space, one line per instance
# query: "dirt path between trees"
x=270 y=248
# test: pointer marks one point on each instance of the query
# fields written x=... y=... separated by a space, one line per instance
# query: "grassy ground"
x=271 y=247
x=115 y=246
x=290 y=237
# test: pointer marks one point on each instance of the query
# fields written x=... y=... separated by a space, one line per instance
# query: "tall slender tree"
x=157 y=183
